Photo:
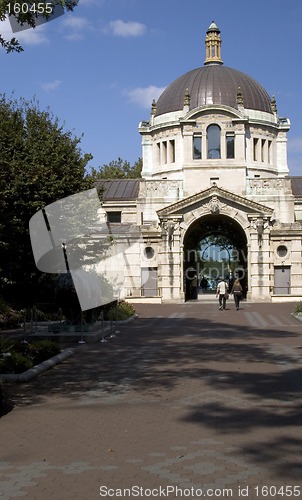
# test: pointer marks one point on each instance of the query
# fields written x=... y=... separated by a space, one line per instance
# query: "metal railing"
x=143 y=292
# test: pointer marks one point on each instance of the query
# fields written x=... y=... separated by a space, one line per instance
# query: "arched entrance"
x=214 y=246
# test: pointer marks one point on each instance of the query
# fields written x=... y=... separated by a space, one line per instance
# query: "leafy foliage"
x=40 y=163
x=118 y=169
x=15 y=363
x=29 y=17
x=41 y=350
x=298 y=309
x=120 y=312
x=5 y=345
x=17 y=357
x=9 y=318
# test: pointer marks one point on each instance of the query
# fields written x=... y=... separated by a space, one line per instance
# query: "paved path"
x=186 y=402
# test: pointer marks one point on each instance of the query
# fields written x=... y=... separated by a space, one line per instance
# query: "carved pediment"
x=214 y=201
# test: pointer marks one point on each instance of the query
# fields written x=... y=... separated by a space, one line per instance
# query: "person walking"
x=237 y=293
x=204 y=284
x=222 y=293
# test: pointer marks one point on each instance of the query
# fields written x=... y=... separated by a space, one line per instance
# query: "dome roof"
x=213 y=84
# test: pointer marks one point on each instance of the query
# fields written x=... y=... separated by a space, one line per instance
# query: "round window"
x=281 y=250
x=149 y=252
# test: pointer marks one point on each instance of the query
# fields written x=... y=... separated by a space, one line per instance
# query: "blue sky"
x=99 y=68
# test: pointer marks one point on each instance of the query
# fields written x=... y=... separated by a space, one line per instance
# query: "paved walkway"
x=186 y=402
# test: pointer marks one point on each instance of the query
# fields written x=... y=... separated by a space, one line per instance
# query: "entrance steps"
x=207 y=297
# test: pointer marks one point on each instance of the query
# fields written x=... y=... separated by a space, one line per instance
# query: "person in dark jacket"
x=237 y=293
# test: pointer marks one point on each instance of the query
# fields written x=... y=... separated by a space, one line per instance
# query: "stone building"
x=215 y=196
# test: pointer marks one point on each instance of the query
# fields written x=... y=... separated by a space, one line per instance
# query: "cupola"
x=213 y=84
x=213 y=45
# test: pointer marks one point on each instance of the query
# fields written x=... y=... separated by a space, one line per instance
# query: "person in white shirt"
x=221 y=293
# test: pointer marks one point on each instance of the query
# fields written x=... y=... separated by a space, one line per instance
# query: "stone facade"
x=240 y=187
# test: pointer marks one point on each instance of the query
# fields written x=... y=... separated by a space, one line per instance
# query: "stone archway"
x=214 y=245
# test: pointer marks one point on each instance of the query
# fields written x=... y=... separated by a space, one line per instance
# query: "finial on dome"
x=274 y=104
x=153 y=107
x=153 y=112
x=239 y=97
x=187 y=98
x=213 y=45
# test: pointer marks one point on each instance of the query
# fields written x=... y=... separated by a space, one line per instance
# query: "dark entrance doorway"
x=214 y=246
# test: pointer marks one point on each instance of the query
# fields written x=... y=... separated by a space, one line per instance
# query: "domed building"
x=215 y=198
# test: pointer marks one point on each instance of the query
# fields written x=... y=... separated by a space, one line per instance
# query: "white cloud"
x=74 y=36
x=29 y=36
x=49 y=86
x=75 y=22
x=75 y=27
x=130 y=28
x=143 y=96
x=32 y=36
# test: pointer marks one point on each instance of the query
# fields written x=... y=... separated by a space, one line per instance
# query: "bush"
x=122 y=311
x=298 y=309
x=9 y=318
x=17 y=357
x=37 y=314
x=15 y=362
x=6 y=345
x=41 y=350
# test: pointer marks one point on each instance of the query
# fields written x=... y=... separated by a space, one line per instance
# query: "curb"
x=48 y=363
x=38 y=369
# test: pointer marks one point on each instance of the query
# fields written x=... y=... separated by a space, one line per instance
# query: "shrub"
x=36 y=314
x=122 y=311
x=37 y=351
x=298 y=309
x=33 y=314
x=41 y=350
x=17 y=357
x=6 y=345
x=9 y=318
x=15 y=362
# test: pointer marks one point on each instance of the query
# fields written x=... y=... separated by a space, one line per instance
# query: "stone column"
x=259 y=286
x=240 y=144
x=170 y=279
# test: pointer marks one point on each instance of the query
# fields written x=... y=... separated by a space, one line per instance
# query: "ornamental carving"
x=259 y=225
x=214 y=206
x=170 y=226
x=162 y=188
x=266 y=184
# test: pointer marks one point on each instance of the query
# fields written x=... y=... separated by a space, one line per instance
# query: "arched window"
x=214 y=141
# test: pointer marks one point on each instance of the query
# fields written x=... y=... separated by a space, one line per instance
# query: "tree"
x=30 y=13
x=40 y=162
x=118 y=169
